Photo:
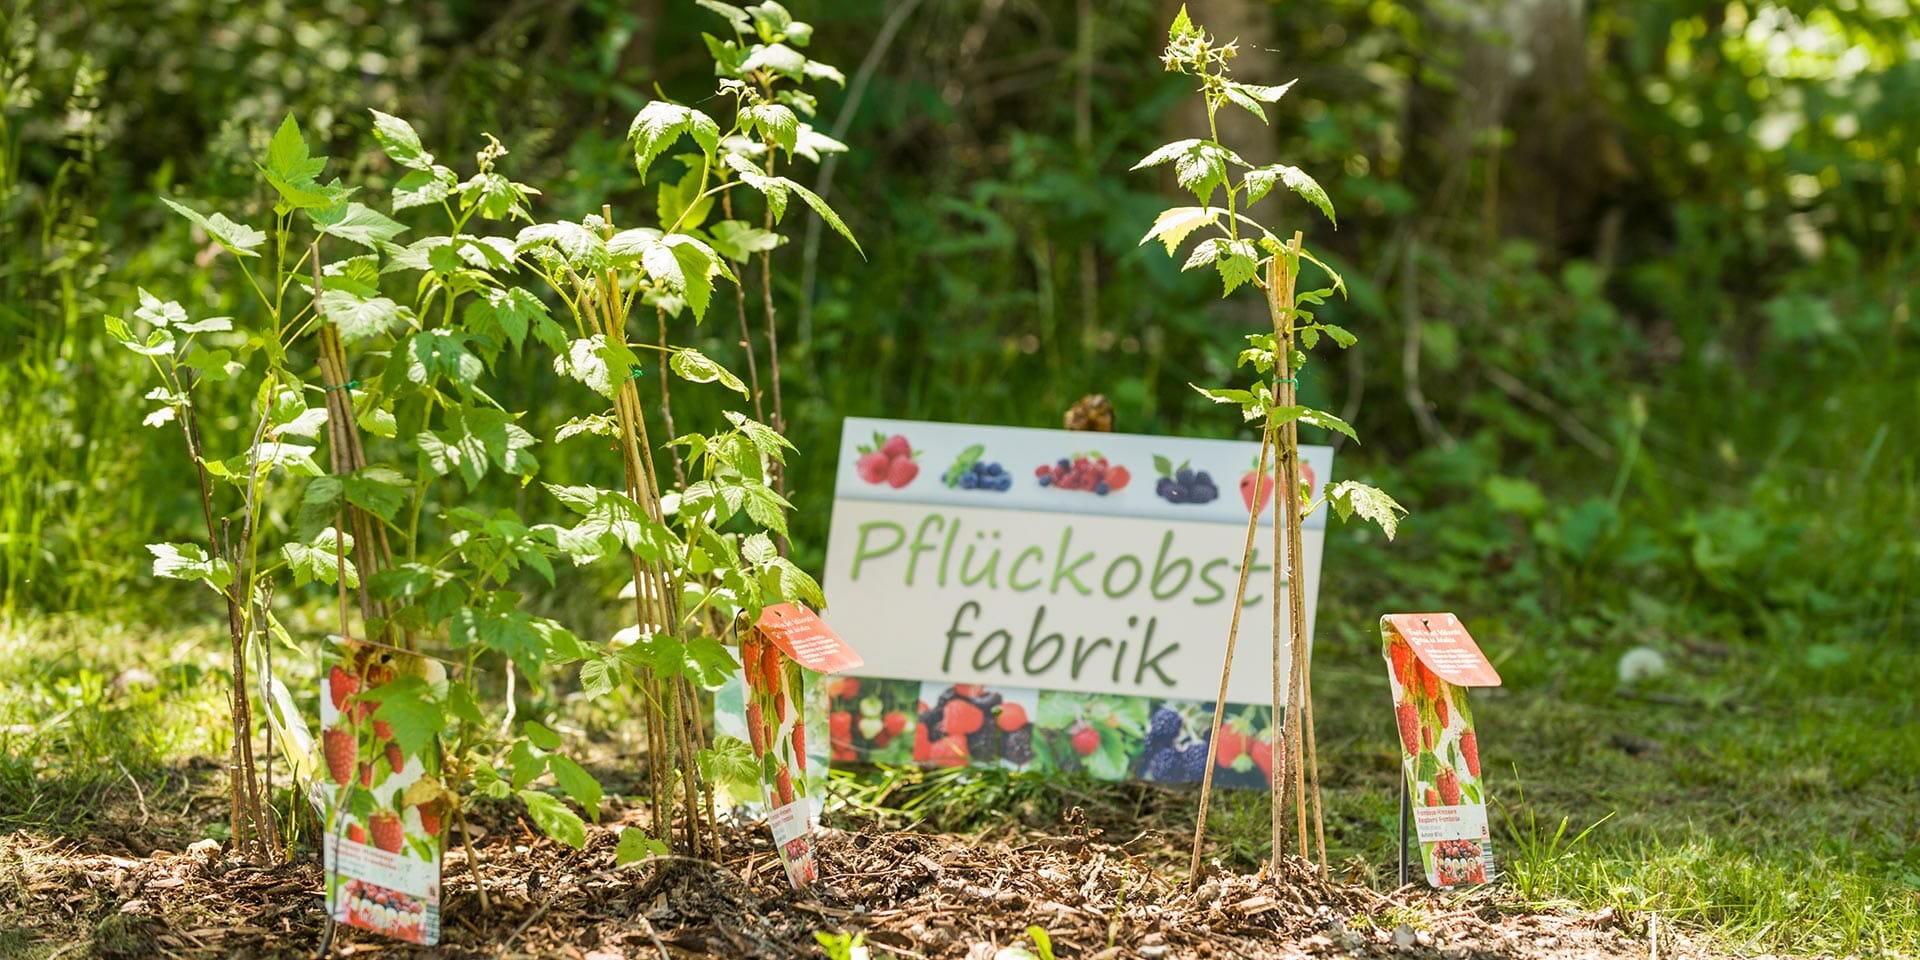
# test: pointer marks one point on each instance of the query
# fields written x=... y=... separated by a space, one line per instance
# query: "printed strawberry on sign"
x=1431 y=663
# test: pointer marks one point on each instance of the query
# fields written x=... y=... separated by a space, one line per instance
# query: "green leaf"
x=475 y=437
x=358 y=223
x=1349 y=498
x=1340 y=335
x=398 y=139
x=581 y=248
x=736 y=17
x=775 y=189
x=508 y=315
x=421 y=188
x=1199 y=165
x=236 y=238
x=659 y=124
x=608 y=522
x=635 y=845
x=737 y=240
x=578 y=783
x=322 y=559
x=692 y=365
x=1175 y=224
x=1299 y=182
x=409 y=706
x=361 y=318
x=380 y=491
x=779 y=58
x=554 y=819
x=287 y=155
x=1182 y=26
x=186 y=561
x=541 y=735
x=826 y=213
x=433 y=354
x=1327 y=421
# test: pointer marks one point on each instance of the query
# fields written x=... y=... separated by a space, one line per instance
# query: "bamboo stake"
x=1226 y=671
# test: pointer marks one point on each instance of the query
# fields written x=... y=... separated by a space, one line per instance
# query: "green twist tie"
x=635 y=375
x=1289 y=380
x=349 y=385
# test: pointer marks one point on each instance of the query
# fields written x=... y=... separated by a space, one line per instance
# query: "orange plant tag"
x=803 y=636
x=1441 y=642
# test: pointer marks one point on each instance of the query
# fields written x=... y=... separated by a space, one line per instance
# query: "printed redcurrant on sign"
x=1431 y=661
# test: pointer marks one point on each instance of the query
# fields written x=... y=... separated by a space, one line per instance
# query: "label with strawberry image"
x=775 y=689
x=1439 y=745
x=381 y=801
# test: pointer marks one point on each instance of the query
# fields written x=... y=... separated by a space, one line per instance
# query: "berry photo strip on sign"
x=1431 y=663
x=1052 y=600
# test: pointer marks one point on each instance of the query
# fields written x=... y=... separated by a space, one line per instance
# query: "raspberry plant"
x=1242 y=251
x=705 y=558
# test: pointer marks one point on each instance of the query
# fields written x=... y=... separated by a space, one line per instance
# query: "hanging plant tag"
x=1431 y=663
x=803 y=636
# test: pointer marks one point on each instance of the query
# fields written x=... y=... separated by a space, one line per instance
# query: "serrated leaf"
x=635 y=846
x=1309 y=190
x=358 y=223
x=322 y=559
x=659 y=124
x=736 y=17
x=777 y=57
x=398 y=139
x=1175 y=224
x=1327 y=421
x=826 y=213
x=737 y=240
x=1371 y=503
x=422 y=187
x=541 y=735
x=583 y=249
x=361 y=318
x=187 y=561
x=409 y=706
x=696 y=367
x=578 y=783
x=554 y=819
x=236 y=238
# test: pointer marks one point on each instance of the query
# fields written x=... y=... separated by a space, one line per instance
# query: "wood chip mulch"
x=911 y=895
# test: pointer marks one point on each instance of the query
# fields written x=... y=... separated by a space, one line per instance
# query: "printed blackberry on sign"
x=967 y=723
x=1183 y=484
x=970 y=472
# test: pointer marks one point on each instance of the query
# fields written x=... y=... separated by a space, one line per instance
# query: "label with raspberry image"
x=1440 y=749
x=379 y=795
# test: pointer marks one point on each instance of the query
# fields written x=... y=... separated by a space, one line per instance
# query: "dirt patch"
x=911 y=895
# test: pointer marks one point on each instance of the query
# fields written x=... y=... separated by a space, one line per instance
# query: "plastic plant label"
x=1440 y=752
x=803 y=636
x=792 y=827
x=382 y=805
x=1441 y=642
x=776 y=730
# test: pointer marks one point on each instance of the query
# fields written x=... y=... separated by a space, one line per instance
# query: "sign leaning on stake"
x=1053 y=599
x=1432 y=660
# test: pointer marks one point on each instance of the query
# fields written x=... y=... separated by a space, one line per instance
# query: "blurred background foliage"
x=1632 y=279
